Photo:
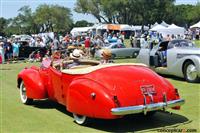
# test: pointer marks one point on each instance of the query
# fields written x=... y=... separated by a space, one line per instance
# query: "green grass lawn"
x=46 y=116
x=197 y=42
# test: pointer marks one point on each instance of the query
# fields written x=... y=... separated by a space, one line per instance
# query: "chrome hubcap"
x=191 y=72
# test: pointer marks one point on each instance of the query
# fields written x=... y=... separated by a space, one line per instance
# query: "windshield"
x=184 y=43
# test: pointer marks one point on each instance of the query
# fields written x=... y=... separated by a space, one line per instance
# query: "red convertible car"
x=92 y=90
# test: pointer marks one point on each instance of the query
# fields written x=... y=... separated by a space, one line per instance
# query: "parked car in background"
x=25 y=50
x=118 y=50
x=22 y=37
x=178 y=57
x=2 y=39
x=93 y=90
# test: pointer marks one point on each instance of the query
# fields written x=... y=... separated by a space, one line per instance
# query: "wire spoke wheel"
x=190 y=72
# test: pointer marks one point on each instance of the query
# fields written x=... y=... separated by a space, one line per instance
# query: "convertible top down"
x=91 y=90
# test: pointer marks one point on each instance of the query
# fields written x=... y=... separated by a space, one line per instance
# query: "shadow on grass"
x=133 y=123
x=129 y=123
x=176 y=78
x=48 y=104
x=173 y=77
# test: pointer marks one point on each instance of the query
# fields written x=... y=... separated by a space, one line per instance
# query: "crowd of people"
x=9 y=48
x=144 y=40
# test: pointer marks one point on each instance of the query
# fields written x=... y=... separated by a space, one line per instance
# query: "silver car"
x=177 y=57
x=119 y=50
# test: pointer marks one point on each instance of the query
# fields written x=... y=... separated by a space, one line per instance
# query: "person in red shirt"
x=87 y=46
x=67 y=39
x=0 y=59
x=38 y=56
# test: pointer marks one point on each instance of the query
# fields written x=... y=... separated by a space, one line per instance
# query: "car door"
x=119 y=50
x=144 y=56
x=172 y=53
x=153 y=57
x=56 y=79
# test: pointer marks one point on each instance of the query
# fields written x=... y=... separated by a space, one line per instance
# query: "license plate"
x=148 y=89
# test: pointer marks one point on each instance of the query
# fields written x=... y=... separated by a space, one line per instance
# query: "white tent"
x=101 y=27
x=173 y=26
x=125 y=27
x=156 y=23
x=139 y=27
x=197 y=25
x=172 y=29
x=158 y=28
x=164 y=24
x=176 y=30
x=79 y=30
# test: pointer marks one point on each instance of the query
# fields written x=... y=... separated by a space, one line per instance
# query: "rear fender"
x=88 y=97
x=176 y=68
x=33 y=83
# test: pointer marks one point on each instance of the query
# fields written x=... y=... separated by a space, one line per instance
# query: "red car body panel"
x=33 y=82
x=94 y=94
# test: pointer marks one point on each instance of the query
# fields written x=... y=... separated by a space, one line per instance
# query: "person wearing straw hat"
x=75 y=56
x=106 y=56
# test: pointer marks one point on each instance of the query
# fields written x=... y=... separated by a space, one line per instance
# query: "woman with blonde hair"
x=106 y=56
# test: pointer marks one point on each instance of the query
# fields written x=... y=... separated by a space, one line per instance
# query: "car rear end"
x=137 y=89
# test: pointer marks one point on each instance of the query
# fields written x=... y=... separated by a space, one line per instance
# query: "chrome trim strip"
x=146 y=108
x=179 y=55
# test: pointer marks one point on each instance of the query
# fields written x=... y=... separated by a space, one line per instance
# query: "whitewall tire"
x=23 y=96
x=80 y=119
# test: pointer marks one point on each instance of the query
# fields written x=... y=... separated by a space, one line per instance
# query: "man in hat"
x=75 y=56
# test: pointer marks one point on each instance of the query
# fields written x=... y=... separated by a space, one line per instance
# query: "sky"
x=9 y=8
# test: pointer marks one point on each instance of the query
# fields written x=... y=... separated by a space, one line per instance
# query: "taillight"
x=176 y=92
x=177 y=97
x=116 y=101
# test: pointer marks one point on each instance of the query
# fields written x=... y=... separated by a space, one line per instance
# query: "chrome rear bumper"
x=146 y=108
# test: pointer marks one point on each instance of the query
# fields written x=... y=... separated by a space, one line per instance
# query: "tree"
x=23 y=23
x=126 y=11
x=92 y=7
x=3 y=25
x=53 y=18
x=82 y=23
x=26 y=20
x=188 y=16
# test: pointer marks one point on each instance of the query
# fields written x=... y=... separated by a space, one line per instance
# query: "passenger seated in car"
x=164 y=53
x=56 y=60
x=75 y=56
x=106 y=56
x=163 y=56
